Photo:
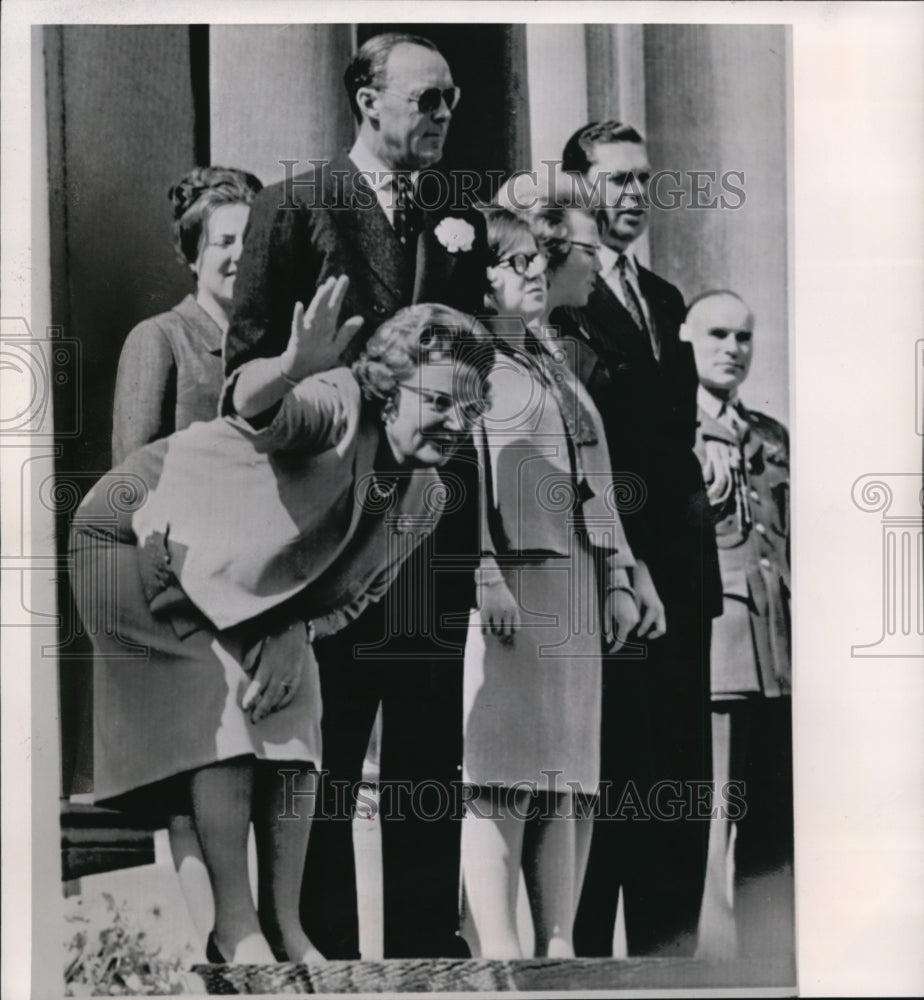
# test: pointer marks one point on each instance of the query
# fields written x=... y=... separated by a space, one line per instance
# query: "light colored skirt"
x=532 y=709
x=166 y=702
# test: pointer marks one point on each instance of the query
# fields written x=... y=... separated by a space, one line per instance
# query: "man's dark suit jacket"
x=649 y=412
x=656 y=722
x=326 y=222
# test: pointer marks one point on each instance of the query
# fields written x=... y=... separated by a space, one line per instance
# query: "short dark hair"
x=196 y=195
x=578 y=154
x=369 y=63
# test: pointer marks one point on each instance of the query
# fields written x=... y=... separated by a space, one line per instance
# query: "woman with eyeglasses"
x=206 y=563
x=552 y=540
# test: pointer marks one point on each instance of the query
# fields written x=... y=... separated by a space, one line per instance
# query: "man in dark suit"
x=371 y=215
x=745 y=460
x=650 y=840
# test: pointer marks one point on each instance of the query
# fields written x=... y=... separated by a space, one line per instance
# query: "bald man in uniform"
x=745 y=460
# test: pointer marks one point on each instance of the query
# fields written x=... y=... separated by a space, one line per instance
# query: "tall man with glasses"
x=358 y=215
x=655 y=745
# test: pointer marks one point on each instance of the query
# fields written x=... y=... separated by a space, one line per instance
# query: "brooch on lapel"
x=455 y=234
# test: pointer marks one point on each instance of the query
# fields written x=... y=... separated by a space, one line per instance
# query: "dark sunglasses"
x=431 y=99
x=527 y=265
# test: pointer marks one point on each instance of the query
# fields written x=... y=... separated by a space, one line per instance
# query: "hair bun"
x=188 y=189
x=197 y=194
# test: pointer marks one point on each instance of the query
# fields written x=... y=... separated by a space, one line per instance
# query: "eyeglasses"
x=527 y=265
x=441 y=403
x=431 y=99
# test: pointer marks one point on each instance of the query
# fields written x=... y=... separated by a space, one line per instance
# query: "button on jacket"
x=751 y=640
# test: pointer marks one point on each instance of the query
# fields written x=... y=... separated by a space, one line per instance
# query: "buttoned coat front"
x=751 y=640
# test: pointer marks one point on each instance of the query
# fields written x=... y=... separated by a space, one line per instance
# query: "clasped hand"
x=276 y=664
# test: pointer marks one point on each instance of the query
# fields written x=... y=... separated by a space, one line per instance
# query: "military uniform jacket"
x=751 y=642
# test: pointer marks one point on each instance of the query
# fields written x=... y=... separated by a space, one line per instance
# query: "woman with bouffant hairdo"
x=228 y=547
x=170 y=369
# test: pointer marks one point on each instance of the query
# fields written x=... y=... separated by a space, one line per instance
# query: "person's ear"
x=367 y=100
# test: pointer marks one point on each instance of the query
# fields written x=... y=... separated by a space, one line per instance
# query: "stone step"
x=480 y=975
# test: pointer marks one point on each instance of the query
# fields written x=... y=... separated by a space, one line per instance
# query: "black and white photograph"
x=410 y=425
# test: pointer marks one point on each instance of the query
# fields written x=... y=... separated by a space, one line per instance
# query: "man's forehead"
x=721 y=311
x=414 y=64
x=619 y=157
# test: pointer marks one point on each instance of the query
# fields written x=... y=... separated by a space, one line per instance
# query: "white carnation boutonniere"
x=455 y=234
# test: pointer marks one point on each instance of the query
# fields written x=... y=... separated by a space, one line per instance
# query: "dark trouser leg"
x=422 y=750
x=764 y=845
x=625 y=771
x=422 y=729
x=349 y=691
x=664 y=889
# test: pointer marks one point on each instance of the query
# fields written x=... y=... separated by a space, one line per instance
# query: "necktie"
x=408 y=218
x=634 y=306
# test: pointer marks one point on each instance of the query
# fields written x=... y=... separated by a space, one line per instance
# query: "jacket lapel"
x=656 y=311
x=363 y=474
x=433 y=269
x=435 y=265
x=615 y=326
x=371 y=234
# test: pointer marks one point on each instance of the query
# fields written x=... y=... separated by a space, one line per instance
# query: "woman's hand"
x=281 y=660
x=620 y=616
x=315 y=345
x=496 y=604
x=316 y=342
x=653 y=623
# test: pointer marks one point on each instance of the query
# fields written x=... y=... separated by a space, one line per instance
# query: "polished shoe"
x=212 y=953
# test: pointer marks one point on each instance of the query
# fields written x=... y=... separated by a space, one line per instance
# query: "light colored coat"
x=249 y=517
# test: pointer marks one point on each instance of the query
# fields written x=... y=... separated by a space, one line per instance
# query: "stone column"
x=616 y=84
x=556 y=65
x=716 y=101
x=276 y=93
x=616 y=72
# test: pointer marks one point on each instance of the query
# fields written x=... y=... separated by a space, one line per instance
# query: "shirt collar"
x=609 y=257
x=712 y=405
x=380 y=176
